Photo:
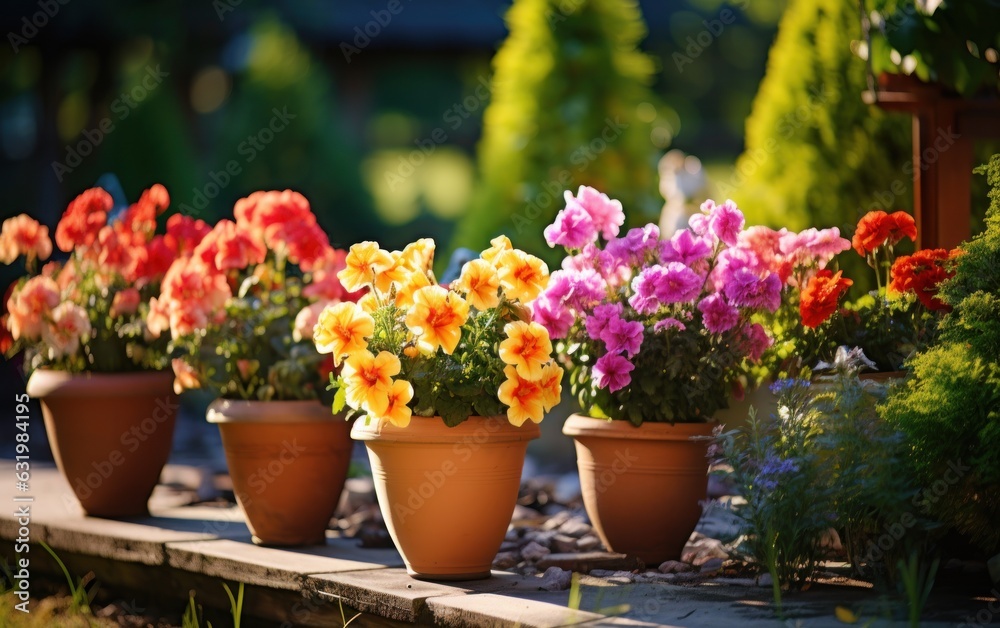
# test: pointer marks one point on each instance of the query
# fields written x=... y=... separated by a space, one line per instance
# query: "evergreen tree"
x=567 y=84
x=816 y=155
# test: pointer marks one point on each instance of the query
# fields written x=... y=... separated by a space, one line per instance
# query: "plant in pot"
x=452 y=382
x=240 y=306
x=655 y=333
x=106 y=399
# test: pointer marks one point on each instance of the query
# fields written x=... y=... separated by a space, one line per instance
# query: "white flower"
x=68 y=325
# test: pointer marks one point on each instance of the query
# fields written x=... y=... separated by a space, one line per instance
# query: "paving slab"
x=280 y=568
x=502 y=611
x=389 y=593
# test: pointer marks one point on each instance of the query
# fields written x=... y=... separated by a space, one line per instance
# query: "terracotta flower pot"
x=288 y=461
x=642 y=486
x=110 y=434
x=447 y=493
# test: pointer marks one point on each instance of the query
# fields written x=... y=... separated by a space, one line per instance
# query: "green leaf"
x=339 y=400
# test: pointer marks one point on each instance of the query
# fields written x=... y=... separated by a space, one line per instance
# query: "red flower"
x=266 y=215
x=23 y=235
x=141 y=216
x=150 y=261
x=184 y=234
x=922 y=273
x=305 y=244
x=877 y=228
x=83 y=219
x=820 y=297
x=228 y=246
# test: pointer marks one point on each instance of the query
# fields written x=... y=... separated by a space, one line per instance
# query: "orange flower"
x=364 y=261
x=368 y=302
x=125 y=303
x=394 y=275
x=527 y=348
x=342 y=329
x=501 y=244
x=437 y=318
x=29 y=306
x=922 y=273
x=369 y=380
x=877 y=228
x=419 y=255
x=227 y=247
x=271 y=217
x=524 y=398
x=480 y=283
x=551 y=384
x=821 y=296
x=185 y=377
x=140 y=217
x=398 y=411
x=68 y=325
x=522 y=276
x=83 y=218
x=23 y=235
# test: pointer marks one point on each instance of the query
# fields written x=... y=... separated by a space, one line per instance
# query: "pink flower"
x=29 y=306
x=582 y=260
x=325 y=285
x=605 y=213
x=671 y=283
x=603 y=314
x=686 y=248
x=718 y=315
x=621 y=335
x=23 y=235
x=68 y=325
x=669 y=323
x=754 y=341
x=573 y=227
x=744 y=288
x=699 y=222
x=613 y=372
x=643 y=299
x=725 y=222
x=185 y=377
x=826 y=244
x=306 y=319
x=125 y=303
x=552 y=315
x=635 y=246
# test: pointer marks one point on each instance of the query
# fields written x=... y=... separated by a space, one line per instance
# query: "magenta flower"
x=621 y=335
x=643 y=299
x=743 y=288
x=718 y=315
x=686 y=248
x=825 y=244
x=699 y=222
x=573 y=227
x=634 y=247
x=605 y=213
x=603 y=314
x=669 y=323
x=754 y=341
x=586 y=258
x=676 y=283
x=582 y=289
x=726 y=222
x=613 y=372
x=552 y=315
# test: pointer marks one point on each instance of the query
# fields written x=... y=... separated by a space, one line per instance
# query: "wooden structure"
x=945 y=129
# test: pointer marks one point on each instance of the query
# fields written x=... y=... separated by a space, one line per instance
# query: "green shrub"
x=950 y=407
x=567 y=84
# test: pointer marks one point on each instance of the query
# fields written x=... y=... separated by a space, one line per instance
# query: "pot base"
x=303 y=543
x=451 y=577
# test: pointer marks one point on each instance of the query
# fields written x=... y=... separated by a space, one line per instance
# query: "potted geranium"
x=108 y=406
x=240 y=306
x=654 y=333
x=452 y=380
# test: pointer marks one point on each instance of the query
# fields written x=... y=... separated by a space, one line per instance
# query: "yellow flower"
x=527 y=348
x=398 y=412
x=500 y=244
x=437 y=318
x=368 y=302
x=394 y=274
x=364 y=261
x=522 y=276
x=414 y=281
x=523 y=398
x=551 y=384
x=369 y=380
x=419 y=255
x=480 y=282
x=341 y=329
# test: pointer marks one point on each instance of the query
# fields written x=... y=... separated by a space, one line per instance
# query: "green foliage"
x=235 y=603
x=946 y=45
x=815 y=153
x=566 y=85
x=80 y=598
x=950 y=407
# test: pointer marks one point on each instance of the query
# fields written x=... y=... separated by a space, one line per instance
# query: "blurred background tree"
x=571 y=106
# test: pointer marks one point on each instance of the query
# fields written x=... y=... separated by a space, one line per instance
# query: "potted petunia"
x=654 y=334
x=452 y=381
x=239 y=306
x=106 y=399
